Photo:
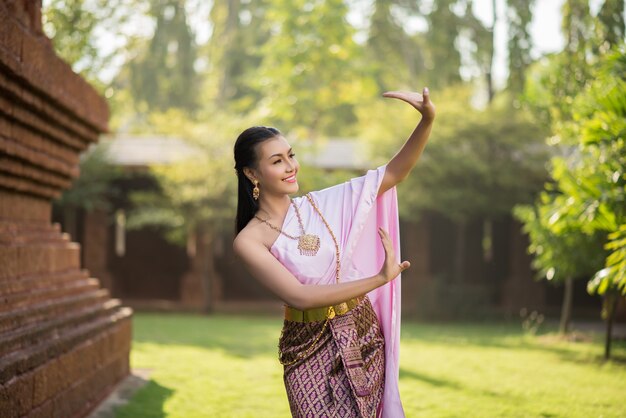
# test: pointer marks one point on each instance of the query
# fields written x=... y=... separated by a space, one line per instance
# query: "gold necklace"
x=308 y=244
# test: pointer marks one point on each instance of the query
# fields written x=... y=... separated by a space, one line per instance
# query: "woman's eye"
x=292 y=155
x=276 y=162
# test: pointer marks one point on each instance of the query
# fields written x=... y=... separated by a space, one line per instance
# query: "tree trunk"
x=566 y=308
x=208 y=271
x=489 y=73
x=212 y=281
x=610 y=301
x=459 y=259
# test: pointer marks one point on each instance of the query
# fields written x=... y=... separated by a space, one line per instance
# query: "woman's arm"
x=402 y=163
x=269 y=271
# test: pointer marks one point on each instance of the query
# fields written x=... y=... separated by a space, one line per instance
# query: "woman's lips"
x=291 y=179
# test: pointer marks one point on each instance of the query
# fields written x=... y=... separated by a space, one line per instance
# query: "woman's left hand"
x=421 y=102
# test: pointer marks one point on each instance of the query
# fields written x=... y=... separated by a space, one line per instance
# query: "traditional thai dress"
x=352 y=368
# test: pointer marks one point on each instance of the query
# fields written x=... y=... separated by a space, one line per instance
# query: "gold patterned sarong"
x=343 y=376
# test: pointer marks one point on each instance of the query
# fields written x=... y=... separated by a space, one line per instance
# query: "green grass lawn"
x=226 y=366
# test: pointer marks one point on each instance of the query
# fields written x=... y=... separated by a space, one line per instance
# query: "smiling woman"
x=319 y=254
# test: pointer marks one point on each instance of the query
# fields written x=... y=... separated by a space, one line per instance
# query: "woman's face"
x=277 y=167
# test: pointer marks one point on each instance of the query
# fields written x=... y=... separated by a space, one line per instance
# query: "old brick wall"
x=64 y=342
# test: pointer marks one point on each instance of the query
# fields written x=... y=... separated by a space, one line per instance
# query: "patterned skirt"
x=344 y=375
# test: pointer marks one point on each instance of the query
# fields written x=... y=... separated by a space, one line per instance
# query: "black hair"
x=246 y=156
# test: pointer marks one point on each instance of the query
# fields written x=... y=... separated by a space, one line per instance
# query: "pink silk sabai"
x=354 y=214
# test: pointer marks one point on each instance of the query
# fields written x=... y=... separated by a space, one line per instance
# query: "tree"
x=476 y=164
x=600 y=175
x=561 y=251
x=239 y=31
x=444 y=58
x=590 y=181
x=610 y=27
x=74 y=25
x=519 y=16
x=585 y=113
x=310 y=75
x=396 y=58
x=93 y=188
x=164 y=75
x=482 y=38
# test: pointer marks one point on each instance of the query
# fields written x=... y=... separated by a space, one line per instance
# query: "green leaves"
x=476 y=163
x=560 y=248
x=309 y=73
x=94 y=188
x=586 y=205
x=612 y=276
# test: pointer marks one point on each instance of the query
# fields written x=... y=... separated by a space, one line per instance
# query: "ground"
x=226 y=366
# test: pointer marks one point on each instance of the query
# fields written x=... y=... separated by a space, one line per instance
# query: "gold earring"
x=256 y=191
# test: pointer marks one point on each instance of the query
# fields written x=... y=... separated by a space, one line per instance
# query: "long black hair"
x=246 y=156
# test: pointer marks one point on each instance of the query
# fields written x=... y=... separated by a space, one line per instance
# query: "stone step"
x=22 y=299
x=39 y=332
x=22 y=361
x=38 y=258
x=20 y=233
x=40 y=281
x=45 y=309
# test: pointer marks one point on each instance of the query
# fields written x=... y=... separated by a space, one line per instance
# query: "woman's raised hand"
x=421 y=102
x=390 y=268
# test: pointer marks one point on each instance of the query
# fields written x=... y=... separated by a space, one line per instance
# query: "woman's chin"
x=293 y=188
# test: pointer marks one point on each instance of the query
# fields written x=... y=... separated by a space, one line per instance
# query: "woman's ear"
x=248 y=173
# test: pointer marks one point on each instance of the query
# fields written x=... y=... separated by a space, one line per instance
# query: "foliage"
x=477 y=162
x=560 y=249
x=395 y=58
x=164 y=75
x=601 y=172
x=591 y=177
x=75 y=25
x=612 y=276
x=200 y=190
x=519 y=16
x=94 y=188
x=610 y=29
x=444 y=57
x=310 y=70
x=234 y=54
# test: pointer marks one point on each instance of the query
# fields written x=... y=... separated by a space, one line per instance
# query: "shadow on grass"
x=509 y=336
x=448 y=384
x=146 y=403
x=433 y=381
x=238 y=336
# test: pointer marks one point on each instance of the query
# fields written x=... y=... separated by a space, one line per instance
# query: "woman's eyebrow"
x=279 y=154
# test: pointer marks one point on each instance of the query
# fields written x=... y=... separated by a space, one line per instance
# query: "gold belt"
x=320 y=314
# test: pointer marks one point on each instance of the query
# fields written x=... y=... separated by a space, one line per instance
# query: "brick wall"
x=64 y=343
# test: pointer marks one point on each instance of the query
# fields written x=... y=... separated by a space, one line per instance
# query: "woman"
x=319 y=254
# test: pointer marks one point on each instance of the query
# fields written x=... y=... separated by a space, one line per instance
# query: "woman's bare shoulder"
x=249 y=237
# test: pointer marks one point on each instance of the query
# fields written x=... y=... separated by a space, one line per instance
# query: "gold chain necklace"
x=308 y=244
x=331 y=310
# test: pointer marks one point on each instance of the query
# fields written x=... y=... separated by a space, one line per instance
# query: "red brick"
x=10 y=36
x=44 y=377
x=46 y=410
x=16 y=395
x=8 y=262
